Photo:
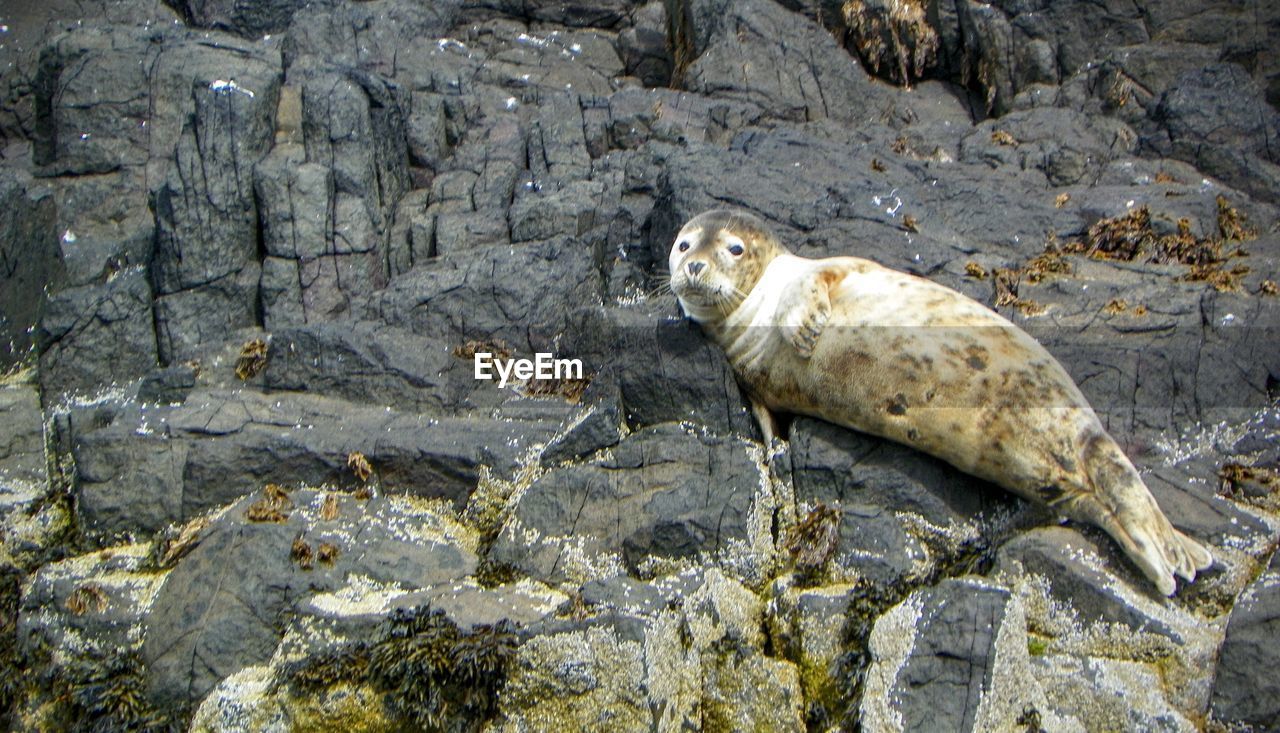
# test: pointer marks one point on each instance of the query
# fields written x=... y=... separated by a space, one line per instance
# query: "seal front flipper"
x=804 y=309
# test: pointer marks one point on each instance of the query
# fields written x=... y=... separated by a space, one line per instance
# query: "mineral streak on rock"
x=364 y=193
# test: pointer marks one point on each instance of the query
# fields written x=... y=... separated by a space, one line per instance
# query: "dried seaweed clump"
x=499 y=349
x=103 y=693
x=252 y=359
x=894 y=34
x=1254 y=485
x=435 y=675
x=359 y=465
x=173 y=543
x=10 y=659
x=85 y=598
x=569 y=388
x=812 y=542
x=274 y=505
x=1130 y=237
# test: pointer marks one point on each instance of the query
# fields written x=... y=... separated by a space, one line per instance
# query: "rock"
x=21 y=435
x=953 y=655
x=141 y=467
x=27 y=247
x=618 y=510
x=252 y=21
x=902 y=515
x=761 y=53
x=95 y=336
x=496 y=293
x=600 y=426
x=1217 y=119
x=672 y=372
x=170 y=385
x=643 y=46
x=231 y=620
x=372 y=364
x=696 y=658
x=1108 y=694
x=1072 y=567
x=1241 y=696
x=599 y=14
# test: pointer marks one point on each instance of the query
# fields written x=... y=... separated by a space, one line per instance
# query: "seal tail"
x=1121 y=504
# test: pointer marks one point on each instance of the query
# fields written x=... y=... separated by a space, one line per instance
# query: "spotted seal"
x=846 y=340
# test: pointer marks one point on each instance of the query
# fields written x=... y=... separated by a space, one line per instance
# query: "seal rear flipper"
x=1121 y=504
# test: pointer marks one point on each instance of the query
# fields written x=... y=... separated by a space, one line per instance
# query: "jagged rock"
x=758 y=52
x=954 y=656
x=1108 y=694
x=96 y=336
x=221 y=609
x=141 y=467
x=619 y=509
x=32 y=268
x=1240 y=694
x=496 y=293
x=21 y=435
x=693 y=660
x=600 y=426
x=170 y=385
x=1072 y=566
x=902 y=514
x=671 y=373
x=372 y=364
x=599 y=14
x=1217 y=119
x=643 y=46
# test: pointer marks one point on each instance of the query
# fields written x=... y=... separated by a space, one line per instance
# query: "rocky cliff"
x=249 y=251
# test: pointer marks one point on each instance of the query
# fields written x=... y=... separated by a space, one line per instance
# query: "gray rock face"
x=378 y=189
x=27 y=247
x=143 y=467
x=620 y=508
x=225 y=605
x=938 y=660
x=1240 y=696
x=1217 y=119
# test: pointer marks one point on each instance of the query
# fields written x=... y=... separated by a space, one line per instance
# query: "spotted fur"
x=860 y=345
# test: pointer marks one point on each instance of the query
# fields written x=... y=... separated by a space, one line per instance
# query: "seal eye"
x=736 y=250
x=683 y=246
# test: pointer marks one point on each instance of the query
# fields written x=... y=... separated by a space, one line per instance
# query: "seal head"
x=717 y=259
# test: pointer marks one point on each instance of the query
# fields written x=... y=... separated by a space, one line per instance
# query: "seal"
x=846 y=340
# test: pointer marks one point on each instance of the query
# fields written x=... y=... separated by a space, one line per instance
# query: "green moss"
x=1036 y=646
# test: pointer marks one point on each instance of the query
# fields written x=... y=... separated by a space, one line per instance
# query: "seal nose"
x=695 y=268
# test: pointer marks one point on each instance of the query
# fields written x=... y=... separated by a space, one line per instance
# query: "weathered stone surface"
x=1071 y=564
x=224 y=606
x=1240 y=694
x=31 y=267
x=617 y=510
x=141 y=467
x=902 y=515
x=95 y=336
x=1217 y=119
x=374 y=187
x=954 y=656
